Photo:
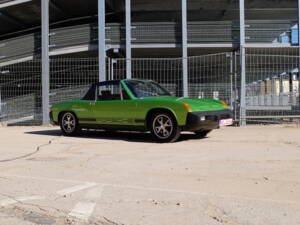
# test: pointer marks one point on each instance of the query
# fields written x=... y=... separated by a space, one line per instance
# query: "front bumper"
x=206 y=120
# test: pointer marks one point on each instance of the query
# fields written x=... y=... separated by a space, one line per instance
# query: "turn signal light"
x=224 y=103
x=187 y=106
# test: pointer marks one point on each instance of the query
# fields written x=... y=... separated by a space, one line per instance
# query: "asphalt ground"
x=246 y=175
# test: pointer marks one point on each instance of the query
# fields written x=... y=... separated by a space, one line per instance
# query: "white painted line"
x=162 y=190
x=11 y=201
x=82 y=211
x=28 y=198
x=94 y=193
x=43 y=178
x=7 y=202
x=76 y=188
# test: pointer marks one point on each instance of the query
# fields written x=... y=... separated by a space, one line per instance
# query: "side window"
x=90 y=94
x=124 y=94
x=108 y=92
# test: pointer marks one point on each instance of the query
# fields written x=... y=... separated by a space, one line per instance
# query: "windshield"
x=146 y=89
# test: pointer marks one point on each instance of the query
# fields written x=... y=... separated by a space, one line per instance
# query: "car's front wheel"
x=69 y=124
x=164 y=128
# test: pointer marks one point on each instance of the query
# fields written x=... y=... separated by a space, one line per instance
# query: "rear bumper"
x=206 y=120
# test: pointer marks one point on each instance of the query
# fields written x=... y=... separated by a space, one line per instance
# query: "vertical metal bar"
x=128 y=38
x=113 y=62
x=45 y=61
x=184 y=47
x=299 y=51
x=101 y=40
x=108 y=68
x=0 y=104
x=231 y=80
x=243 y=65
x=235 y=86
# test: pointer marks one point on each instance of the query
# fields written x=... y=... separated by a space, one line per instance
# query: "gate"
x=272 y=85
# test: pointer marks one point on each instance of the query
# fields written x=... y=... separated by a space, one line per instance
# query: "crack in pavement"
x=45 y=209
x=40 y=207
x=25 y=214
x=30 y=154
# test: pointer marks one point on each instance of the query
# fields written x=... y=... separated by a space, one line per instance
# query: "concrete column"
x=45 y=61
x=128 y=38
x=101 y=40
x=243 y=65
x=184 y=48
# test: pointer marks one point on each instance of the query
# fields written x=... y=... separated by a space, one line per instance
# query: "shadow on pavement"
x=111 y=135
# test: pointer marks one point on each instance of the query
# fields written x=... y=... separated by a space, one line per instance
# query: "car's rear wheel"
x=202 y=133
x=69 y=124
x=164 y=128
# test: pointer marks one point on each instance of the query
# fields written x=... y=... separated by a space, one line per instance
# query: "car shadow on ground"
x=110 y=135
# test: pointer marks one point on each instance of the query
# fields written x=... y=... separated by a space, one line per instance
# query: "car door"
x=112 y=107
x=84 y=107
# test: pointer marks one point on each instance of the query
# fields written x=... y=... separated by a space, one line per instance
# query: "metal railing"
x=272 y=85
x=272 y=82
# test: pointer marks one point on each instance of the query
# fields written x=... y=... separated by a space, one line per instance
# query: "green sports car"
x=139 y=105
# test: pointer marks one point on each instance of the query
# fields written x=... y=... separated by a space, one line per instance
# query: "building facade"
x=245 y=52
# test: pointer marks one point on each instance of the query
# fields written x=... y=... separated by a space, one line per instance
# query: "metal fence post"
x=45 y=61
x=128 y=38
x=299 y=50
x=243 y=65
x=184 y=48
x=235 y=86
x=112 y=67
x=0 y=102
x=101 y=40
x=231 y=81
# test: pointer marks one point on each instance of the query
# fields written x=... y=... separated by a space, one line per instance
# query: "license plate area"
x=225 y=122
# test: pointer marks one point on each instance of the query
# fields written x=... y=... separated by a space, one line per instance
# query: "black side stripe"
x=94 y=120
x=87 y=119
x=139 y=121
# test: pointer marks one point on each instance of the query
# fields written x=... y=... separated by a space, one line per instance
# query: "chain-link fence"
x=20 y=93
x=70 y=78
x=272 y=82
x=20 y=87
x=166 y=71
x=272 y=85
x=211 y=76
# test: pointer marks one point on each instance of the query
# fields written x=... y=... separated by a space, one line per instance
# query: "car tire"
x=164 y=128
x=69 y=124
x=202 y=133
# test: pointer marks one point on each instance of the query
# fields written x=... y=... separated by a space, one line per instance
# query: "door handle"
x=92 y=103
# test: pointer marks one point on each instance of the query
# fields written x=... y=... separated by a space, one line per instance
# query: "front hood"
x=196 y=104
x=204 y=104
